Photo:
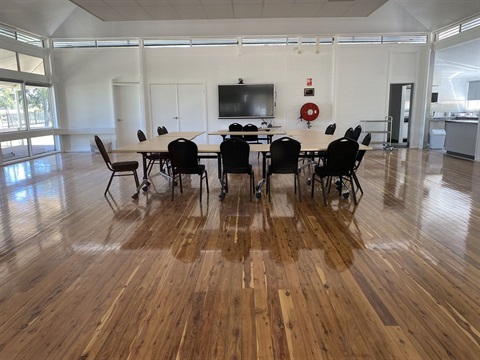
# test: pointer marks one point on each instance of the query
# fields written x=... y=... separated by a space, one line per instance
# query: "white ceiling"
x=137 y=10
x=63 y=18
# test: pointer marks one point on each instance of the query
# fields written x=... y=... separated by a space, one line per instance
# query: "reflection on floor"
x=88 y=276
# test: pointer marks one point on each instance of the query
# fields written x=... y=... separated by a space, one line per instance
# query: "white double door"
x=179 y=107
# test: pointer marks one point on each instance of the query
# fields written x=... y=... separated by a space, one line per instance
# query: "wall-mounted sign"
x=308 y=92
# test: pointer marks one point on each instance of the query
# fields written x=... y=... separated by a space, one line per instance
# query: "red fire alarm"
x=309 y=82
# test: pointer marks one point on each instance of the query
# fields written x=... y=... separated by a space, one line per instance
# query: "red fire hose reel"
x=309 y=112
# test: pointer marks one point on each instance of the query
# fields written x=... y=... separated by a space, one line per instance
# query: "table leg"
x=145 y=183
x=258 y=194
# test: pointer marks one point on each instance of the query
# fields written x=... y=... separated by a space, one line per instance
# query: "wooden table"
x=311 y=142
x=159 y=144
x=269 y=133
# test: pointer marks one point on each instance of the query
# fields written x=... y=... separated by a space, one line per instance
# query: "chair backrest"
x=284 y=153
x=235 y=127
x=341 y=156
x=250 y=127
x=184 y=156
x=349 y=133
x=330 y=130
x=141 y=136
x=103 y=151
x=165 y=131
x=356 y=132
x=366 y=141
x=161 y=130
x=235 y=155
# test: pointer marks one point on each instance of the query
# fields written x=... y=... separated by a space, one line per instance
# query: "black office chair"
x=235 y=127
x=184 y=160
x=165 y=131
x=349 y=133
x=118 y=167
x=356 y=132
x=162 y=159
x=235 y=159
x=340 y=161
x=160 y=131
x=366 y=141
x=330 y=130
x=284 y=153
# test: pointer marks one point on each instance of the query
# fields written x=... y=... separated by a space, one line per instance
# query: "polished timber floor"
x=83 y=276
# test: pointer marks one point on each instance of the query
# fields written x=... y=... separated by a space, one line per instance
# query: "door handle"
x=119 y=119
x=175 y=117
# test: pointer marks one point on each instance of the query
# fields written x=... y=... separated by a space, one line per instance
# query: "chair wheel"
x=221 y=196
x=346 y=195
x=309 y=181
x=145 y=188
x=258 y=195
x=135 y=196
x=148 y=183
x=338 y=182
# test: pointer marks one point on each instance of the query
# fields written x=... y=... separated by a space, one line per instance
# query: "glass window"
x=21 y=36
x=214 y=42
x=470 y=24
x=308 y=41
x=14 y=149
x=12 y=117
x=31 y=64
x=42 y=144
x=447 y=33
x=167 y=43
x=264 y=41
x=117 y=43
x=8 y=60
x=75 y=44
x=360 y=39
x=406 y=39
x=38 y=105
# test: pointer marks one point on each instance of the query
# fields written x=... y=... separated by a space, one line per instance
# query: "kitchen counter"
x=461 y=137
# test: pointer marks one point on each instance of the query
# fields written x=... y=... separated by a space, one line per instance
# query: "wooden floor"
x=88 y=277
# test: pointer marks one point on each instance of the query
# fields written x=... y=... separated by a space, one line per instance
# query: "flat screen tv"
x=239 y=101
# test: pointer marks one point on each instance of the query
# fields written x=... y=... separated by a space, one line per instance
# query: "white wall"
x=351 y=81
x=83 y=87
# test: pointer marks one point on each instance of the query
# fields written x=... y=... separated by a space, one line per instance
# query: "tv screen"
x=246 y=101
